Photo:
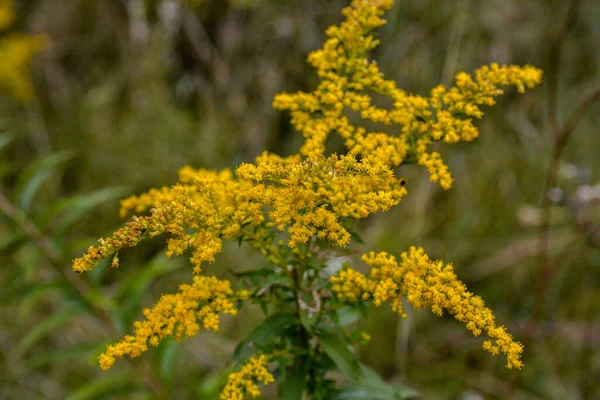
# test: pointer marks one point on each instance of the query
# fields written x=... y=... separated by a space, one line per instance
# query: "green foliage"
x=48 y=301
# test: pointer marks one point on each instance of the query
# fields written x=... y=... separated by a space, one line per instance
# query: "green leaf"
x=339 y=353
x=34 y=176
x=294 y=384
x=264 y=307
x=308 y=322
x=6 y=138
x=356 y=237
x=362 y=307
x=105 y=386
x=371 y=386
x=210 y=386
x=45 y=328
x=253 y=272
x=270 y=328
x=29 y=297
x=346 y=316
x=7 y=168
x=66 y=212
x=11 y=241
x=167 y=358
x=360 y=393
x=60 y=356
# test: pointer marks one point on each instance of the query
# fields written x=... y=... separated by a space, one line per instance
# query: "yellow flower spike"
x=208 y=202
x=178 y=315
x=425 y=283
x=245 y=381
x=347 y=78
x=310 y=197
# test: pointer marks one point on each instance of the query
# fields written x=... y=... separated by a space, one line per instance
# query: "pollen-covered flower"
x=425 y=283
x=350 y=286
x=347 y=79
x=313 y=196
x=200 y=213
x=245 y=381
x=177 y=315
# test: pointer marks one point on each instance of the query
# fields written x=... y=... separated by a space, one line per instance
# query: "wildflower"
x=16 y=53
x=312 y=197
x=246 y=380
x=177 y=315
x=347 y=77
x=200 y=213
x=312 y=194
x=425 y=283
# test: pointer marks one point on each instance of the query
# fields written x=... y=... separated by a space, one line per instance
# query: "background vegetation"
x=128 y=91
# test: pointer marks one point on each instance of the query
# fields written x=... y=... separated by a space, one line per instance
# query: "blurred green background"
x=128 y=91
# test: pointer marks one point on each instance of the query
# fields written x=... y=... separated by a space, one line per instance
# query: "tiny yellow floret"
x=245 y=381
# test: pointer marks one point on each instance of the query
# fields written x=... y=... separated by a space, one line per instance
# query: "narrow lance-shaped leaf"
x=270 y=328
x=29 y=182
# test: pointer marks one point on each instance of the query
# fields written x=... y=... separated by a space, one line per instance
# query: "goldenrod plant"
x=299 y=212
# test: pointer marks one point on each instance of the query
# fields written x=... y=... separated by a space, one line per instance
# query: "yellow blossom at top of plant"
x=425 y=283
x=245 y=381
x=207 y=209
x=178 y=315
x=311 y=197
x=347 y=77
x=16 y=52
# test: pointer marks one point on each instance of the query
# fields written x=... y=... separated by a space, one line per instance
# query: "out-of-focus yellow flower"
x=245 y=381
x=425 y=283
x=177 y=315
x=16 y=52
x=7 y=13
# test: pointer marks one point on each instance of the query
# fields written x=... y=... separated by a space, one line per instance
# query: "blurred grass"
x=136 y=89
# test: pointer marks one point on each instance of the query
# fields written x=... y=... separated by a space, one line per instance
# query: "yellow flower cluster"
x=202 y=212
x=311 y=194
x=178 y=315
x=167 y=194
x=350 y=285
x=16 y=52
x=311 y=197
x=246 y=380
x=347 y=76
x=425 y=283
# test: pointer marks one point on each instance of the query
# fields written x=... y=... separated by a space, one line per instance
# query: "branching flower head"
x=245 y=381
x=178 y=315
x=200 y=213
x=348 y=78
x=425 y=283
x=311 y=197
